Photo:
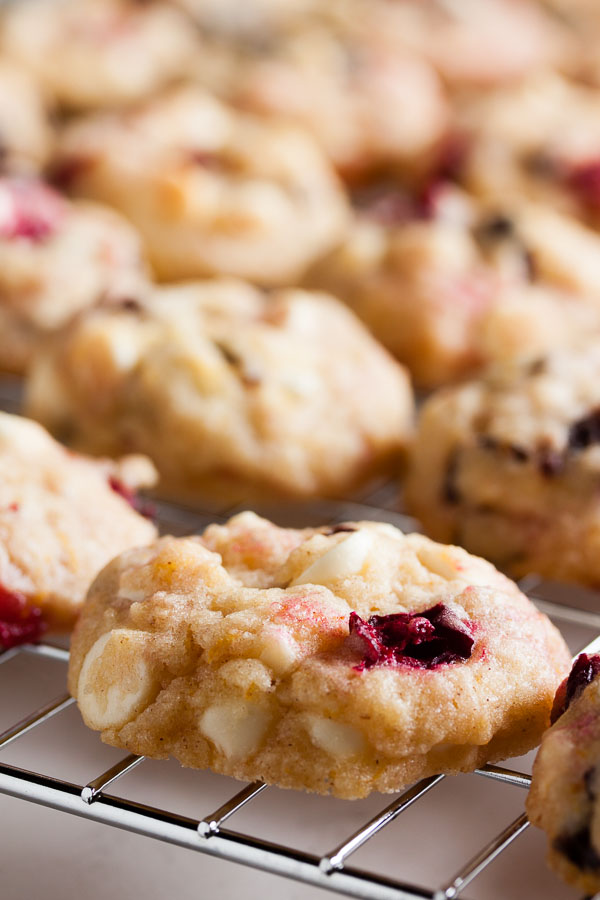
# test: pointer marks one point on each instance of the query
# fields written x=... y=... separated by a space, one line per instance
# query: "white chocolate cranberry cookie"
x=211 y=191
x=229 y=390
x=509 y=466
x=57 y=258
x=97 y=53
x=62 y=518
x=25 y=137
x=449 y=285
x=565 y=786
x=340 y=660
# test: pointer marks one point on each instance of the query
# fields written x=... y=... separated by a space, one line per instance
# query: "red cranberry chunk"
x=29 y=209
x=584 y=180
x=585 y=670
x=424 y=639
x=20 y=623
x=143 y=507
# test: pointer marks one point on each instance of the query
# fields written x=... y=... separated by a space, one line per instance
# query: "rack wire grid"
x=211 y=833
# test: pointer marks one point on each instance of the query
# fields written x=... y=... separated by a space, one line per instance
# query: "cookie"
x=26 y=139
x=62 y=518
x=563 y=799
x=341 y=660
x=449 y=285
x=479 y=45
x=370 y=102
x=232 y=392
x=538 y=139
x=57 y=258
x=96 y=53
x=508 y=466
x=211 y=191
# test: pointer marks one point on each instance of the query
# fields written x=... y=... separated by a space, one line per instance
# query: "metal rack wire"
x=211 y=834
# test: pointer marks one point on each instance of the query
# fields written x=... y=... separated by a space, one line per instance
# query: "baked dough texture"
x=231 y=391
x=233 y=651
x=62 y=518
x=508 y=466
x=450 y=285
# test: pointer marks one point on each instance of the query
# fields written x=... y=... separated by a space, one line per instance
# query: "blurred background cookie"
x=229 y=390
x=97 y=53
x=57 y=258
x=210 y=190
x=62 y=518
x=507 y=466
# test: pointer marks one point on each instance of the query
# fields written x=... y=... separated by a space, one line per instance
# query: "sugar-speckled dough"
x=56 y=259
x=61 y=521
x=212 y=191
x=509 y=466
x=97 y=53
x=229 y=390
x=232 y=651
x=563 y=799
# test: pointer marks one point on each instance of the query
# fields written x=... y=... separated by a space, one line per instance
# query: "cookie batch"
x=285 y=251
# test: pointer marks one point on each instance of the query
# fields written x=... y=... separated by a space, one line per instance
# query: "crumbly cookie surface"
x=563 y=799
x=97 y=53
x=57 y=258
x=340 y=660
x=62 y=518
x=212 y=191
x=508 y=466
x=229 y=389
x=450 y=285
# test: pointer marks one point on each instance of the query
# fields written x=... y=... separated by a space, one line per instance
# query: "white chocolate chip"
x=345 y=559
x=336 y=738
x=236 y=728
x=279 y=649
x=115 y=682
x=438 y=561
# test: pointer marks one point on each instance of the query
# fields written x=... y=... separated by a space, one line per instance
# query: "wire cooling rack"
x=212 y=834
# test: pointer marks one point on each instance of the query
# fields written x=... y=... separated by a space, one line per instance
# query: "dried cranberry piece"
x=20 y=623
x=424 y=639
x=29 y=209
x=585 y=670
x=385 y=203
x=584 y=180
x=585 y=432
x=143 y=507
